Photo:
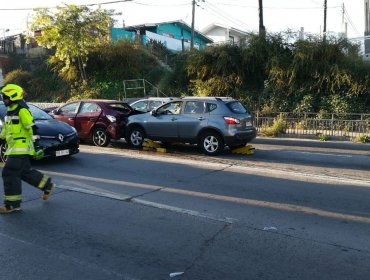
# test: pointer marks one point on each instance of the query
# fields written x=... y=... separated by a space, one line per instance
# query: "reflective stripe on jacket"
x=18 y=131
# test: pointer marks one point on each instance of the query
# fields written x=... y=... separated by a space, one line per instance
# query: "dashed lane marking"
x=121 y=197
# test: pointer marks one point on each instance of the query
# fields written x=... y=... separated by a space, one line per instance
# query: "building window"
x=168 y=35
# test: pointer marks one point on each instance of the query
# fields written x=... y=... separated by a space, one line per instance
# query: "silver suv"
x=209 y=122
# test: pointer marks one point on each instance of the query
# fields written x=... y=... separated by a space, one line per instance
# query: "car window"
x=194 y=107
x=236 y=107
x=173 y=108
x=140 y=105
x=90 y=108
x=154 y=104
x=68 y=109
x=121 y=107
x=2 y=111
x=211 y=107
x=38 y=114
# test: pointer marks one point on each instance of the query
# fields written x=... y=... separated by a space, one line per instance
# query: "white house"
x=220 y=33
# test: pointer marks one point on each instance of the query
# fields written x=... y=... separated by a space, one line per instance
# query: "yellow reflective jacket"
x=18 y=132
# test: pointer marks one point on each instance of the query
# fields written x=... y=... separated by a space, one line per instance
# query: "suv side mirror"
x=153 y=113
x=53 y=112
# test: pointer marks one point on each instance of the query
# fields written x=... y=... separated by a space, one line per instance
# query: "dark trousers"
x=16 y=169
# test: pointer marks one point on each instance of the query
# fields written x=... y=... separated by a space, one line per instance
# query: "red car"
x=96 y=120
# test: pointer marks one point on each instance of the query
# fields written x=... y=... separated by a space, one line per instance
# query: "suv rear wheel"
x=136 y=137
x=100 y=137
x=211 y=143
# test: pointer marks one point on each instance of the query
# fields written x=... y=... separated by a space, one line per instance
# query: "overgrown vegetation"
x=277 y=128
x=271 y=73
x=72 y=31
x=362 y=139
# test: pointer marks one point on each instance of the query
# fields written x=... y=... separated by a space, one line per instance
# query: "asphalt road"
x=296 y=209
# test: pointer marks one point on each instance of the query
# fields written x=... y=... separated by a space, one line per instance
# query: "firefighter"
x=20 y=133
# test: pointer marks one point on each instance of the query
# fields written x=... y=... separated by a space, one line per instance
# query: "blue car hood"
x=53 y=127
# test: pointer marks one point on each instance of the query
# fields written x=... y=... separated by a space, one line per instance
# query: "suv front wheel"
x=211 y=143
x=135 y=137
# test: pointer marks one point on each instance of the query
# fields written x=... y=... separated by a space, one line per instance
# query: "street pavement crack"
x=131 y=198
x=206 y=244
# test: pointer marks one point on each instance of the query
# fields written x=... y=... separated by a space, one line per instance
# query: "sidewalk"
x=306 y=142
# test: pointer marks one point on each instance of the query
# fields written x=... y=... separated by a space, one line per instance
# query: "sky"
x=279 y=15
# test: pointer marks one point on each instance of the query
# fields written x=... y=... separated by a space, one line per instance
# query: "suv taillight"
x=231 y=120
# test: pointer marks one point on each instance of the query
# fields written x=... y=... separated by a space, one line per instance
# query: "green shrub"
x=83 y=91
x=362 y=139
x=324 y=137
x=277 y=128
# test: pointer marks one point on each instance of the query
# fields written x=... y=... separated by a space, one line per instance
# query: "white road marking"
x=318 y=153
x=238 y=200
x=116 y=196
x=308 y=177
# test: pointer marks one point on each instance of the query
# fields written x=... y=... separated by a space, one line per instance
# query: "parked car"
x=56 y=138
x=96 y=120
x=211 y=123
x=49 y=109
x=149 y=104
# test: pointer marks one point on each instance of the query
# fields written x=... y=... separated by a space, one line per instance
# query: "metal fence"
x=344 y=125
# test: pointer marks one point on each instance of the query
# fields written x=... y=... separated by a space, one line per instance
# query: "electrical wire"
x=351 y=22
x=94 y=4
x=223 y=15
x=163 y=5
x=273 y=7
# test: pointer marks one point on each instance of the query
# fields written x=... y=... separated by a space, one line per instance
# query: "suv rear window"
x=236 y=107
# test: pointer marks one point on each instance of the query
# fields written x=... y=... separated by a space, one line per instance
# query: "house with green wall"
x=175 y=35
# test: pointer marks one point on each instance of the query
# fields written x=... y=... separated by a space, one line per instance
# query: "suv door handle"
x=200 y=118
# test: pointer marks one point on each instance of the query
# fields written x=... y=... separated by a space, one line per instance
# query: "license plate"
x=248 y=123
x=62 y=153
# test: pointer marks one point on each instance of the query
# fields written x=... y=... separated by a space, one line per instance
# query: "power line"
x=274 y=7
x=164 y=5
x=94 y=4
x=224 y=16
x=351 y=22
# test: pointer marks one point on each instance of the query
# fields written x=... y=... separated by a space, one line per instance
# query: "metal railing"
x=344 y=125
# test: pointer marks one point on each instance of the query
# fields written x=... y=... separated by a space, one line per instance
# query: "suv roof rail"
x=221 y=98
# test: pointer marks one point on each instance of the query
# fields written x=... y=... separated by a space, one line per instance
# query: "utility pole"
x=344 y=23
x=192 y=27
x=262 y=29
x=325 y=12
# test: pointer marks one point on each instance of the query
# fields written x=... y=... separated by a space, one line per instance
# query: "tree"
x=72 y=32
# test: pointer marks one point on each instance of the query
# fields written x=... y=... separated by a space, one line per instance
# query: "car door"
x=192 y=120
x=163 y=125
x=67 y=113
x=87 y=116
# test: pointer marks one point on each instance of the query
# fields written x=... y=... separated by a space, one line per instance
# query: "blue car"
x=58 y=139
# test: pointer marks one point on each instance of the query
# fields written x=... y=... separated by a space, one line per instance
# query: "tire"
x=100 y=137
x=135 y=137
x=3 y=147
x=211 y=143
